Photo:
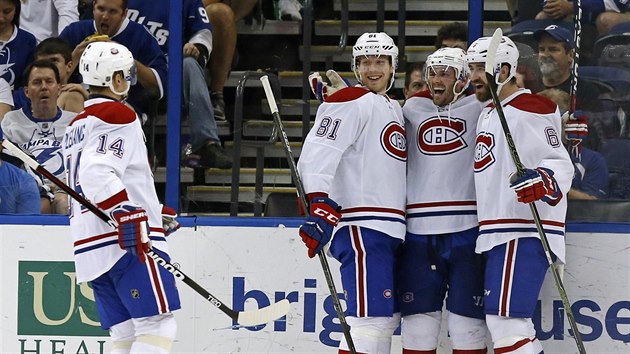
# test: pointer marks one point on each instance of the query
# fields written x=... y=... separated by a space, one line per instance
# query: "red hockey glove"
x=323 y=90
x=537 y=184
x=133 y=228
x=318 y=228
x=576 y=130
x=169 y=223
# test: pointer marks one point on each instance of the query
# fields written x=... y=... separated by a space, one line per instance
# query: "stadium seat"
x=280 y=204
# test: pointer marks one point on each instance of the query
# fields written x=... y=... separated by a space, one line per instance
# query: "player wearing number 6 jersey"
x=515 y=261
x=438 y=255
x=106 y=161
x=353 y=169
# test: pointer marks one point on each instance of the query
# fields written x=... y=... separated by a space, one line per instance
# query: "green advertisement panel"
x=50 y=302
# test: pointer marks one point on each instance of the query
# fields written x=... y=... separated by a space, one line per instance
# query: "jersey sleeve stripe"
x=114 y=200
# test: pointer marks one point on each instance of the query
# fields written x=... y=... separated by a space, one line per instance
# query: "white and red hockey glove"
x=169 y=223
x=323 y=90
x=133 y=229
x=576 y=130
x=317 y=231
x=537 y=184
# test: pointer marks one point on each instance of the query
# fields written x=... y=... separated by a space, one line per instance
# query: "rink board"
x=248 y=267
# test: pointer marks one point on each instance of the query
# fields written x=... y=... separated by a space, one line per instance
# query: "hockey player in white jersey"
x=39 y=127
x=438 y=255
x=515 y=260
x=355 y=156
x=106 y=162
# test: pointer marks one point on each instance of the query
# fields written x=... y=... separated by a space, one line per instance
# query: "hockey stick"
x=520 y=170
x=302 y=196
x=577 y=34
x=244 y=318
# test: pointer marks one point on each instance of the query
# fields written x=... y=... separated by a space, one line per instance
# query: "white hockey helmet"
x=507 y=53
x=450 y=57
x=101 y=60
x=375 y=44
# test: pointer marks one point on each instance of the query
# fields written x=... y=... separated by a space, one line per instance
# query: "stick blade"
x=492 y=51
x=264 y=315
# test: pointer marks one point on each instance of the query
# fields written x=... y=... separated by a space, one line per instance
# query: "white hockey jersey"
x=356 y=153
x=38 y=137
x=106 y=156
x=535 y=125
x=440 y=178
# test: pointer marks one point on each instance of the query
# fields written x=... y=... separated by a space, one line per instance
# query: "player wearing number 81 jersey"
x=355 y=155
x=106 y=162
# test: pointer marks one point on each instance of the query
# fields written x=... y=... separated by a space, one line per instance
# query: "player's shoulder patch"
x=533 y=103
x=110 y=112
x=347 y=94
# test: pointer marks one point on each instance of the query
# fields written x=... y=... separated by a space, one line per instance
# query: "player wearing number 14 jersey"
x=353 y=167
x=106 y=162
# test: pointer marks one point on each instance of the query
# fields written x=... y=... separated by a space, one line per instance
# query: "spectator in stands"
x=523 y=10
x=528 y=72
x=604 y=13
x=16 y=45
x=18 y=190
x=414 y=79
x=206 y=150
x=454 y=35
x=223 y=16
x=38 y=130
x=71 y=96
x=609 y=14
x=590 y=180
x=6 y=100
x=46 y=19
x=556 y=10
x=555 y=57
x=111 y=23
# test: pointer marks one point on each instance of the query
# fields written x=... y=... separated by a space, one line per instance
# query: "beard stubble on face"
x=548 y=66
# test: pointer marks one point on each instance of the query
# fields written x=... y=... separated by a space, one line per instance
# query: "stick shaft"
x=577 y=35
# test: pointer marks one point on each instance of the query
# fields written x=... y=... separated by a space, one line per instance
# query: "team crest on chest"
x=483 y=151
x=441 y=136
x=394 y=142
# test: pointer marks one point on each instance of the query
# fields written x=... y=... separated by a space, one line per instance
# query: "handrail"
x=343 y=39
x=402 y=18
x=174 y=95
x=307 y=34
x=380 y=16
x=238 y=133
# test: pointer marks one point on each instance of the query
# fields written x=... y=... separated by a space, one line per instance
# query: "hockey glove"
x=323 y=90
x=537 y=184
x=169 y=223
x=318 y=228
x=133 y=229
x=576 y=130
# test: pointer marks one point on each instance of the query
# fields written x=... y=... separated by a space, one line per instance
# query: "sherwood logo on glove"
x=132 y=217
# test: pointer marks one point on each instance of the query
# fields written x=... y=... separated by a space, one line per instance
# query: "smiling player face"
x=375 y=72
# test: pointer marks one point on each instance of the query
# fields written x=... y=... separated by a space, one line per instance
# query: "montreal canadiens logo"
x=483 y=151
x=441 y=136
x=394 y=142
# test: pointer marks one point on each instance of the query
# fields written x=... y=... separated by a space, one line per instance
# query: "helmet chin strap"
x=501 y=84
